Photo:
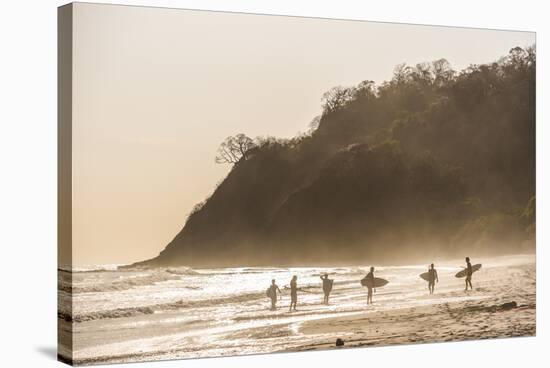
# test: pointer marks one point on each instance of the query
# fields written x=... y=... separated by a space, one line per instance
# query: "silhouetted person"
x=293 y=292
x=432 y=278
x=469 y=272
x=327 y=287
x=273 y=289
x=370 y=276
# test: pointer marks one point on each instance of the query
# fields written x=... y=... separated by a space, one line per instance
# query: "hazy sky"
x=155 y=91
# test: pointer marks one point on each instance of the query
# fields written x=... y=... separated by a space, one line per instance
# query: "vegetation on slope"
x=433 y=162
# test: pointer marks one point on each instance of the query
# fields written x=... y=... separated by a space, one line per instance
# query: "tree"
x=336 y=98
x=234 y=148
x=443 y=72
x=313 y=125
x=401 y=73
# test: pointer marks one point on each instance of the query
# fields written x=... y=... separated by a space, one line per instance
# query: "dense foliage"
x=433 y=163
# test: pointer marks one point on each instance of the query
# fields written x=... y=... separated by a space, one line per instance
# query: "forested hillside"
x=433 y=163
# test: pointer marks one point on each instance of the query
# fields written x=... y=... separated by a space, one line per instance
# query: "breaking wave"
x=136 y=311
x=182 y=271
x=96 y=268
x=66 y=285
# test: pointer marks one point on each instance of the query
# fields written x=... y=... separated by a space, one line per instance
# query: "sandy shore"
x=484 y=319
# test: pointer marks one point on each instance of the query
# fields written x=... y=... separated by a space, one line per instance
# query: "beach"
x=427 y=324
x=170 y=313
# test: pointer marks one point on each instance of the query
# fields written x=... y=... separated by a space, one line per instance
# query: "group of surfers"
x=327 y=286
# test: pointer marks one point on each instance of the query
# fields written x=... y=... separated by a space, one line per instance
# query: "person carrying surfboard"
x=272 y=294
x=370 y=276
x=293 y=292
x=327 y=287
x=432 y=278
x=469 y=273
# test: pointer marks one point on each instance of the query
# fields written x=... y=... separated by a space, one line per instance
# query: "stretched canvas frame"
x=425 y=165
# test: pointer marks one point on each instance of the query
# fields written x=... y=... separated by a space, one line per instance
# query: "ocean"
x=180 y=312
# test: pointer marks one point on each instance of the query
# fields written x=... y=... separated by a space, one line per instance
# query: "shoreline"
x=502 y=304
x=148 y=264
x=457 y=321
x=447 y=322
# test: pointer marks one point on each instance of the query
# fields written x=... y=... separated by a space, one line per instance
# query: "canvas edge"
x=64 y=173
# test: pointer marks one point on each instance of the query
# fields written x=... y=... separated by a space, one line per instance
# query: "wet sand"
x=487 y=318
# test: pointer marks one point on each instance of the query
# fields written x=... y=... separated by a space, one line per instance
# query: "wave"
x=182 y=271
x=66 y=280
x=122 y=268
x=230 y=271
x=93 y=268
x=116 y=313
x=339 y=272
x=118 y=285
x=264 y=269
x=142 y=310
